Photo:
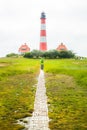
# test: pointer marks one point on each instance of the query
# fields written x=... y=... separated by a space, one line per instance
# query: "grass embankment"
x=17 y=90
x=66 y=82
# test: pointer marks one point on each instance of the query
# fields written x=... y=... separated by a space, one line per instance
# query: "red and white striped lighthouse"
x=43 y=42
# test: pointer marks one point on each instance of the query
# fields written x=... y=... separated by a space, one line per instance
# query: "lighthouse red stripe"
x=43 y=46
x=43 y=33
x=42 y=21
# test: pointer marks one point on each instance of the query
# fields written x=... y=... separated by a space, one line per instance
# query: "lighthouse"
x=43 y=42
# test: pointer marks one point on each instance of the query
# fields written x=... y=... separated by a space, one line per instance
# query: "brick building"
x=62 y=47
x=24 y=48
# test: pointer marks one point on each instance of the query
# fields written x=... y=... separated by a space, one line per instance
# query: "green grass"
x=75 y=68
x=66 y=83
x=17 y=90
x=14 y=66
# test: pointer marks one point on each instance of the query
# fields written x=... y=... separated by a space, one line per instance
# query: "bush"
x=12 y=55
x=66 y=54
x=51 y=54
x=28 y=55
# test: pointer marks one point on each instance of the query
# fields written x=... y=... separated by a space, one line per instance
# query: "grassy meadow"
x=66 y=83
x=17 y=90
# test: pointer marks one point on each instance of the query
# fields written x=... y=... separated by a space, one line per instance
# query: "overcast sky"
x=66 y=21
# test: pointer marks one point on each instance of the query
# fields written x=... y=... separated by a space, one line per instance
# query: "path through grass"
x=66 y=83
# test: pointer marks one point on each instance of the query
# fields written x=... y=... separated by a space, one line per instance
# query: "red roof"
x=24 y=48
x=62 y=47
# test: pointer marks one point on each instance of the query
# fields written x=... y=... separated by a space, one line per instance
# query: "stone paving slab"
x=39 y=119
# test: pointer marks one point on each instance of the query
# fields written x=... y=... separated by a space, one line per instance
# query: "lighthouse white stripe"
x=43 y=26
x=42 y=39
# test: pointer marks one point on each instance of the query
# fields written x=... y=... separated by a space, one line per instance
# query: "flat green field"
x=66 y=82
x=17 y=90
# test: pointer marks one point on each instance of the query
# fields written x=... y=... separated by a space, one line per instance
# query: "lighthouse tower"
x=43 y=42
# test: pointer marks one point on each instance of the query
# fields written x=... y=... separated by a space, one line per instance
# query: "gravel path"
x=39 y=120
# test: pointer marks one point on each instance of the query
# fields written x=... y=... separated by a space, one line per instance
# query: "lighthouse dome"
x=43 y=16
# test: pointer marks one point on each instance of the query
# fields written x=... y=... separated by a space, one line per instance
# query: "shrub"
x=12 y=55
x=51 y=54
